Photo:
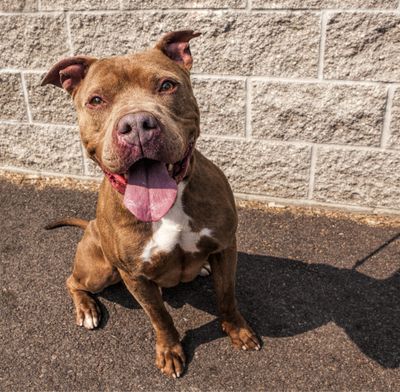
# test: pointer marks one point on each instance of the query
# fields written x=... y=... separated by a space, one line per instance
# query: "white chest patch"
x=173 y=229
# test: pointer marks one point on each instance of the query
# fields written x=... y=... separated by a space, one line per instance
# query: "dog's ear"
x=68 y=72
x=175 y=45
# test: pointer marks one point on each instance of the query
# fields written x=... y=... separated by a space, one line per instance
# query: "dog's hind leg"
x=91 y=274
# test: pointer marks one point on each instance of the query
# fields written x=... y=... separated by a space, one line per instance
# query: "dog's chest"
x=173 y=229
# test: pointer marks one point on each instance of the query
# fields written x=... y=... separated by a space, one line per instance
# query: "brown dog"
x=164 y=210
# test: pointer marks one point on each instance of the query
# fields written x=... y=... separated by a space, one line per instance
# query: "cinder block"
x=324 y=4
x=92 y=169
x=18 y=5
x=49 y=103
x=32 y=41
x=320 y=113
x=165 y=4
x=56 y=5
x=261 y=168
x=222 y=106
x=358 y=177
x=48 y=148
x=363 y=46
x=12 y=102
x=277 y=44
x=394 y=141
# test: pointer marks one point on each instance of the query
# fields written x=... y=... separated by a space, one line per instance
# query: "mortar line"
x=299 y=143
x=40 y=124
x=386 y=131
x=322 y=43
x=218 y=77
x=59 y=125
x=39 y=172
x=313 y=164
x=249 y=5
x=24 y=71
x=248 y=128
x=333 y=10
x=84 y=160
x=32 y=13
x=205 y=10
x=69 y=35
x=320 y=81
x=300 y=202
x=26 y=98
x=256 y=78
x=317 y=204
x=121 y=5
x=39 y=4
x=277 y=79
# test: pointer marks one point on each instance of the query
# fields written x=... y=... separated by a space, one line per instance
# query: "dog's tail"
x=68 y=222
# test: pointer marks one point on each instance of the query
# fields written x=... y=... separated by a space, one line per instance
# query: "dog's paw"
x=88 y=313
x=242 y=336
x=170 y=359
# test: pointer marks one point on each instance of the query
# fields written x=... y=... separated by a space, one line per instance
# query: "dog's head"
x=138 y=117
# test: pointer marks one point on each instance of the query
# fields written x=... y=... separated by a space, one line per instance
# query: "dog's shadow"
x=283 y=297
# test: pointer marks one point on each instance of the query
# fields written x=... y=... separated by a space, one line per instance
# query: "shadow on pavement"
x=283 y=297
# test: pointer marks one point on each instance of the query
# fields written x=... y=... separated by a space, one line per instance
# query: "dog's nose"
x=132 y=125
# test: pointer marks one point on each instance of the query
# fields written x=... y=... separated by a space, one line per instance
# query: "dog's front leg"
x=170 y=358
x=223 y=267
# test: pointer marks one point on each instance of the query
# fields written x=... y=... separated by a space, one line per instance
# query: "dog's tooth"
x=170 y=168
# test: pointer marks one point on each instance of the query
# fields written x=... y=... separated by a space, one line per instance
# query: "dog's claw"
x=170 y=360
x=88 y=314
x=242 y=337
x=88 y=322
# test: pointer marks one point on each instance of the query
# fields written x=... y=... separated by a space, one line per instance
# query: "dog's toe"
x=88 y=314
x=242 y=336
x=171 y=360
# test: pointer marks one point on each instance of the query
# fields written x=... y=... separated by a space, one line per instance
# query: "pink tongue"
x=150 y=191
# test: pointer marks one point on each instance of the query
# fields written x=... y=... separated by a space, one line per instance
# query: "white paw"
x=88 y=320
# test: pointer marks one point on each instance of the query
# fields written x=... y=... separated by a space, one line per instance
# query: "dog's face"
x=136 y=112
x=138 y=106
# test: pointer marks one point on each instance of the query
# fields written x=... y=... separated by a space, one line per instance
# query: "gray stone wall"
x=300 y=99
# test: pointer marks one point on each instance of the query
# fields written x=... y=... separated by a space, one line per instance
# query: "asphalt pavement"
x=321 y=290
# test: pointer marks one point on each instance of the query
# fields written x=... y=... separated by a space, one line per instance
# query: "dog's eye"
x=167 y=85
x=95 y=101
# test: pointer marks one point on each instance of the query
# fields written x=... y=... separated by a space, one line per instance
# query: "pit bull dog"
x=164 y=210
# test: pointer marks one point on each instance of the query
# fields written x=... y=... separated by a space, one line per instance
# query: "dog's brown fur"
x=113 y=244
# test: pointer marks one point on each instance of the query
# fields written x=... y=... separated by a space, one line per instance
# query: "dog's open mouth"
x=151 y=186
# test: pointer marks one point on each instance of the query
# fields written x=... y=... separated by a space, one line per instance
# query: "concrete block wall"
x=300 y=99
